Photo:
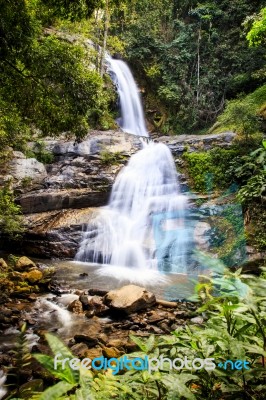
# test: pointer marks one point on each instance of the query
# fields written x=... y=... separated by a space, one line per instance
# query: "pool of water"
x=83 y=276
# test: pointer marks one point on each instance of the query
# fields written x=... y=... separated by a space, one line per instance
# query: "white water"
x=144 y=224
x=53 y=313
x=132 y=117
x=142 y=231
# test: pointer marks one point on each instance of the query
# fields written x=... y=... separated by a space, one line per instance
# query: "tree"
x=257 y=33
x=191 y=56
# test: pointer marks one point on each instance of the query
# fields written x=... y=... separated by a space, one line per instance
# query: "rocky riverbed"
x=92 y=322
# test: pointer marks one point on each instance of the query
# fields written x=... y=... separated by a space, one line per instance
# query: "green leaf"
x=142 y=345
x=54 y=392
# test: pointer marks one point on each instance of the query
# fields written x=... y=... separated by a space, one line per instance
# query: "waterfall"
x=132 y=117
x=143 y=226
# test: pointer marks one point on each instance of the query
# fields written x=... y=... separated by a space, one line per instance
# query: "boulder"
x=129 y=299
x=21 y=167
x=24 y=263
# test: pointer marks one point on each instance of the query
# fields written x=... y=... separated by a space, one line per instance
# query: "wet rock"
x=95 y=306
x=84 y=300
x=75 y=307
x=129 y=299
x=24 y=263
x=97 y=292
x=83 y=275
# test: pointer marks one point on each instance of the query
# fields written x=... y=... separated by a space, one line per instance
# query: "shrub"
x=242 y=115
x=10 y=214
x=209 y=170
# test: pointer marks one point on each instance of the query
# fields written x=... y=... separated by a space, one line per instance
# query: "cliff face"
x=58 y=198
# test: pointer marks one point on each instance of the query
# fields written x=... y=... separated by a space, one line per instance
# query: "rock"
x=53 y=234
x=156 y=330
x=48 y=200
x=202 y=236
x=197 y=320
x=118 y=343
x=88 y=333
x=79 y=350
x=24 y=263
x=201 y=143
x=111 y=352
x=157 y=316
x=95 y=306
x=16 y=276
x=97 y=292
x=21 y=168
x=55 y=206
x=129 y=299
x=164 y=326
x=33 y=276
x=75 y=307
x=84 y=300
x=93 y=353
x=3 y=264
x=181 y=313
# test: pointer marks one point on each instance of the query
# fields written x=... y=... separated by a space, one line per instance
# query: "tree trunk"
x=198 y=64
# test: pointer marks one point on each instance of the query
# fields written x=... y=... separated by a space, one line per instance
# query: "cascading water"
x=132 y=117
x=143 y=226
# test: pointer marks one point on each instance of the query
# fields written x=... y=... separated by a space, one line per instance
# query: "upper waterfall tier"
x=132 y=117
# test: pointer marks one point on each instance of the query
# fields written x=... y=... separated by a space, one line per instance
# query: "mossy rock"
x=33 y=276
x=24 y=263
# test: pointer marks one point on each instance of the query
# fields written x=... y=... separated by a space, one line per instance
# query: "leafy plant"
x=10 y=213
x=111 y=158
x=207 y=171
